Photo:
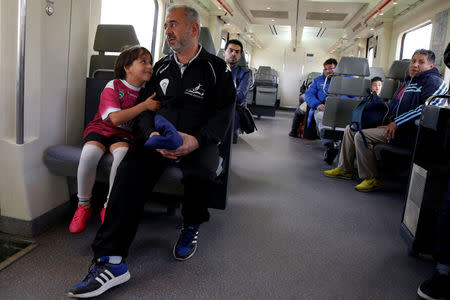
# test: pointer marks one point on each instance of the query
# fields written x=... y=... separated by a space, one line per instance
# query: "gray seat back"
x=376 y=72
x=397 y=73
x=204 y=39
x=110 y=38
x=338 y=110
x=399 y=70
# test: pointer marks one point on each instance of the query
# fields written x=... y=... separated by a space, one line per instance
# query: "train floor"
x=288 y=233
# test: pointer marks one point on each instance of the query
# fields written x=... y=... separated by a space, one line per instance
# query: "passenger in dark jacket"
x=242 y=79
x=197 y=94
x=424 y=81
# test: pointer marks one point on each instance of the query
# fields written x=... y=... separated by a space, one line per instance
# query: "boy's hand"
x=152 y=104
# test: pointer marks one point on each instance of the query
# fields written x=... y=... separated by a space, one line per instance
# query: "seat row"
x=62 y=160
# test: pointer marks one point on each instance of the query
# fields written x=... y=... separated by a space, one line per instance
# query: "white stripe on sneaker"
x=100 y=280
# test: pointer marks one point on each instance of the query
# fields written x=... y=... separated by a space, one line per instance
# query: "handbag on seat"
x=246 y=119
x=369 y=113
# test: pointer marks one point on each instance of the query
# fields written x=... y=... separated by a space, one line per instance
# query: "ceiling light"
x=219 y=7
x=381 y=13
x=273 y=20
x=327 y=10
x=394 y=2
x=268 y=7
x=321 y=22
x=372 y=29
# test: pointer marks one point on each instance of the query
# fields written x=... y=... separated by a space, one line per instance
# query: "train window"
x=142 y=19
x=223 y=42
x=418 y=38
x=370 y=56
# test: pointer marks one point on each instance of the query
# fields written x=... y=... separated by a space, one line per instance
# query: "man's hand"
x=190 y=143
x=389 y=130
x=321 y=107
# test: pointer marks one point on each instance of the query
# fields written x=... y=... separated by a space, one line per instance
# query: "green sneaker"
x=336 y=173
x=368 y=185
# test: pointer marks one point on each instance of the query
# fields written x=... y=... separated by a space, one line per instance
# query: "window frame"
x=402 y=44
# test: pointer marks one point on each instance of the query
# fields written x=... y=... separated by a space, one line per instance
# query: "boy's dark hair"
x=376 y=78
x=330 y=61
x=235 y=42
x=126 y=58
x=430 y=54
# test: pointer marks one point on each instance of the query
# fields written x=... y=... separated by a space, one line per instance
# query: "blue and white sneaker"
x=101 y=277
x=187 y=242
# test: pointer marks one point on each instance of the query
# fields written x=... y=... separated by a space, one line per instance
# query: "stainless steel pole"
x=20 y=79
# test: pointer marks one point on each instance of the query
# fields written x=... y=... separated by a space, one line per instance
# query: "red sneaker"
x=102 y=214
x=79 y=219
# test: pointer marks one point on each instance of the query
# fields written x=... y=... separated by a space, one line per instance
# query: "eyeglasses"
x=330 y=69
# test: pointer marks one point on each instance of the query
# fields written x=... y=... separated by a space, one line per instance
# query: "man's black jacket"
x=199 y=102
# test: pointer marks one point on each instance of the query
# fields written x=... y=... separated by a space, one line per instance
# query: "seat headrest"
x=242 y=62
x=349 y=86
x=112 y=38
x=357 y=66
x=264 y=69
x=220 y=53
x=204 y=39
x=376 y=72
x=399 y=69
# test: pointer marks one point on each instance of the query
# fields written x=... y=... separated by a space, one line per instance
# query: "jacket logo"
x=121 y=94
x=164 y=84
x=197 y=92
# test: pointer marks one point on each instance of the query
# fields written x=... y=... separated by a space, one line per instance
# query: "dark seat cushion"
x=62 y=160
x=380 y=148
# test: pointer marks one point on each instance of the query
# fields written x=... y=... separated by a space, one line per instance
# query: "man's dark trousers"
x=136 y=176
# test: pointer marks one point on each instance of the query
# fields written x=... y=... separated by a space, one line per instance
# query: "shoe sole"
x=181 y=258
x=370 y=190
x=425 y=296
x=110 y=284
x=338 y=176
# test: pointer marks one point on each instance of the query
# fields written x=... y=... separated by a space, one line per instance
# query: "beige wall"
x=54 y=102
x=292 y=66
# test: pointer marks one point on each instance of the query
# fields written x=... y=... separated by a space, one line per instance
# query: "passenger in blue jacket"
x=241 y=76
x=423 y=81
x=315 y=98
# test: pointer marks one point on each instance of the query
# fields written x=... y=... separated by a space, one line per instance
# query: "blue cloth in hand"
x=168 y=137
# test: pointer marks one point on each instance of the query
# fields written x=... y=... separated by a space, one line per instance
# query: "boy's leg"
x=91 y=154
x=136 y=176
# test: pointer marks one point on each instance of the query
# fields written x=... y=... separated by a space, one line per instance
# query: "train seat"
x=109 y=38
x=62 y=160
x=265 y=92
x=348 y=80
x=384 y=153
x=204 y=38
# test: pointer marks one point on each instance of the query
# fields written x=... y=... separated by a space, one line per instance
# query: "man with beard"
x=197 y=95
x=241 y=76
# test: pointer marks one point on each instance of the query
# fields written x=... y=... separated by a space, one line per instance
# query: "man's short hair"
x=235 y=42
x=190 y=12
x=330 y=61
x=430 y=54
x=376 y=78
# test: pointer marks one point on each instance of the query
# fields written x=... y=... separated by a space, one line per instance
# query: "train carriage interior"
x=279 y=229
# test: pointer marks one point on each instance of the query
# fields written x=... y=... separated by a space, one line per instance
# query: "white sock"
x=87 y=170
x=115 y=260
x=118 y=154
